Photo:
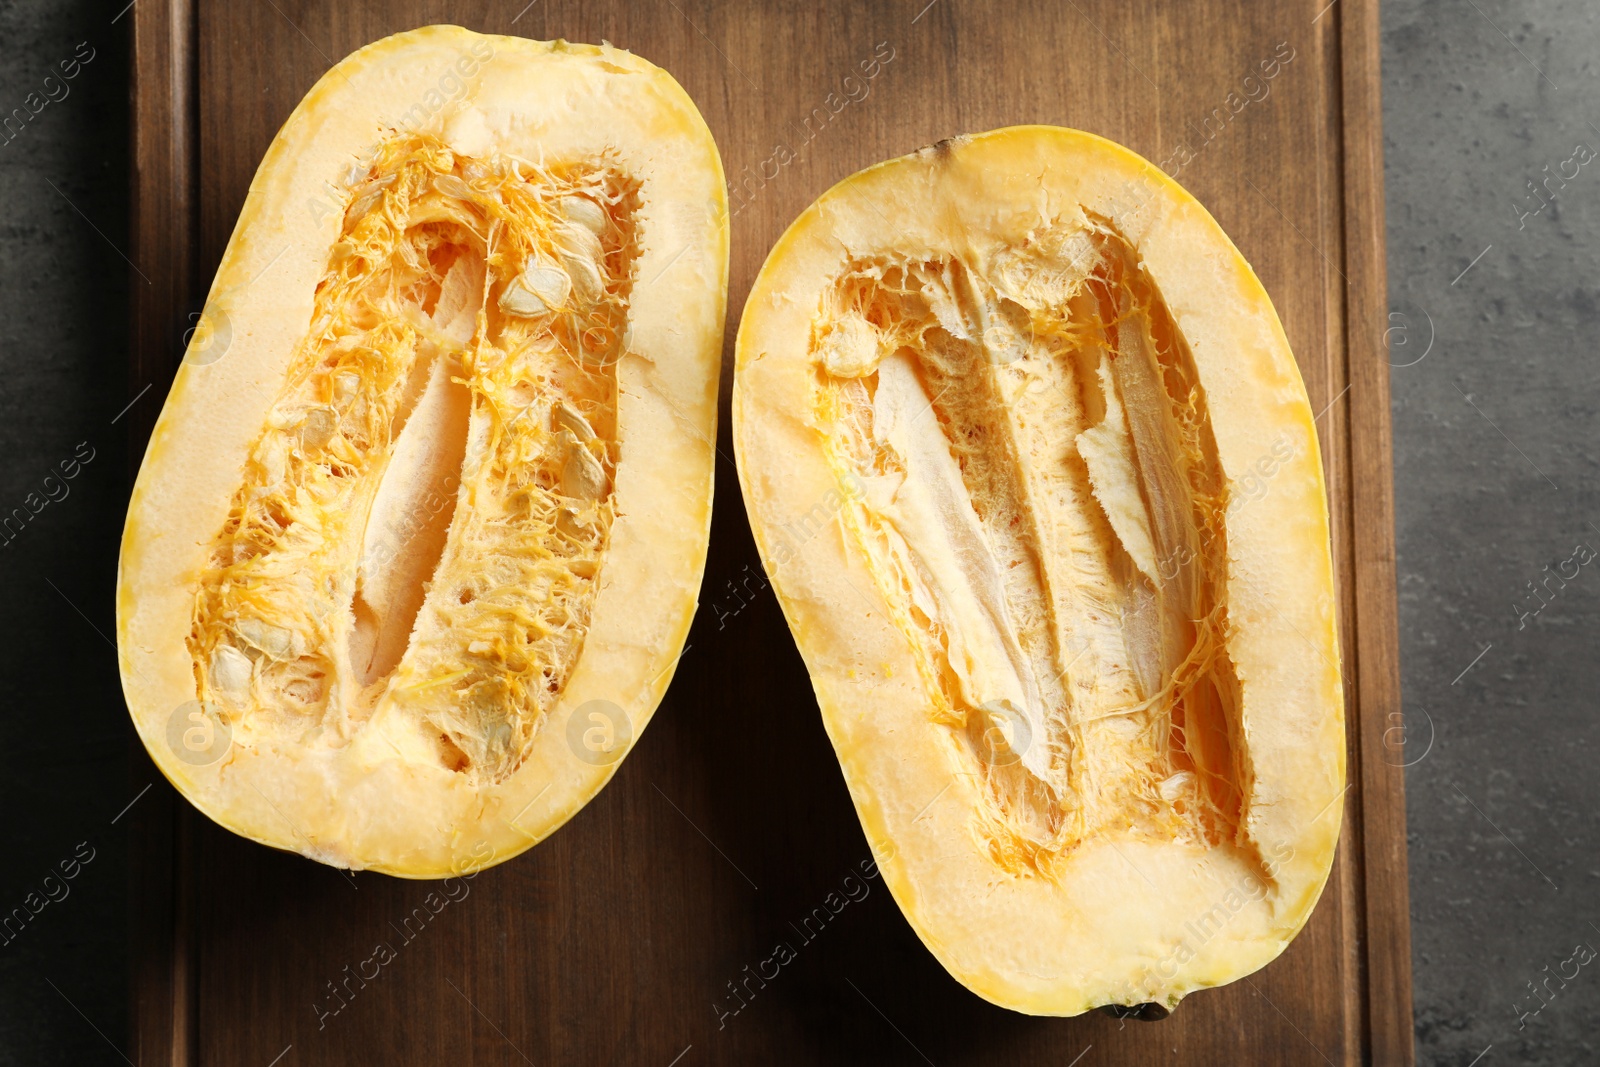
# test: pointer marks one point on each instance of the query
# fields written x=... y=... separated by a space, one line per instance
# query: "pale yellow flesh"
x=993 y=405
x=451 y=478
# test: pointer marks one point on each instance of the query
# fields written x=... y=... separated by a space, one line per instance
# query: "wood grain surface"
x=619 y=940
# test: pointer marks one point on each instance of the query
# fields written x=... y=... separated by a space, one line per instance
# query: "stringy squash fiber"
x=1030 y=463
x=420 y=530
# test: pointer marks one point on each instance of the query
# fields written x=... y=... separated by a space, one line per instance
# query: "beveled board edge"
x=163 y=118
x=1380 y=781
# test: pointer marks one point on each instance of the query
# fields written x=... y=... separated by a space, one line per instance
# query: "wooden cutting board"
x=621 y=938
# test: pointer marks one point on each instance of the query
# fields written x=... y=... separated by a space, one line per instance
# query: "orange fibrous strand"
x=484 y=300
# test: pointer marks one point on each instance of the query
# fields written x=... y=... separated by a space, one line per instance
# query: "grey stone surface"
x=63 y=378
x=1497 y=441
x=1496 y=449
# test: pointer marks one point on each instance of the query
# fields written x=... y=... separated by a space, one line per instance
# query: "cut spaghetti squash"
x=1033 y=471
x=420 y=530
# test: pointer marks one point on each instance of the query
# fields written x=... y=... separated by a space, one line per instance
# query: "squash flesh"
x=1025 y=468
x=1001 y=411
x=409 y=333
x=430 y=494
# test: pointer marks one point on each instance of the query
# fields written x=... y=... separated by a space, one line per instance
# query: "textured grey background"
x=1497 y=440
x=1496 y=446
x=63 y=378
